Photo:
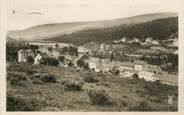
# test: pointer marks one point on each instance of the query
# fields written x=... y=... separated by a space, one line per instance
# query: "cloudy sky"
x=26 y=13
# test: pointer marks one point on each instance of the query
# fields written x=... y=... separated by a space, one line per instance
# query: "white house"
x=152 y=68
x=136 y=40
x=37 y=58
x=116 y=41
x=147 y=76
x=56 y=53
x=149 y=40
x=127 y=74
x=123 y=40
x=93 y=64
x=155 y=42
x=104 y=47
x=126 y=66
x=82 y=49
x=98 y=65
x=23 y=55
x=139 y=65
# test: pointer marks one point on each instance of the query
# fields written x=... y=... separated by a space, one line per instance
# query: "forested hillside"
x=159 y=29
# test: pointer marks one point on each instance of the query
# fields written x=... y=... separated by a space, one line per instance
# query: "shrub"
x=50 y=61
x=16 y=82
x=48 y=78
x=90 y=79
x=30 y=59
x=16 y=79
x=61 y=58
x=17 y=104
x=73 y=85
x=98 y=97
x=19 y=77
x=116 y=72
x=135 y=76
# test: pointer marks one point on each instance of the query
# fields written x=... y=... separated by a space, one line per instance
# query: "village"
x=143 y=59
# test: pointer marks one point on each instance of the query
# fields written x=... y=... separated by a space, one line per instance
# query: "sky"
x=26 y=13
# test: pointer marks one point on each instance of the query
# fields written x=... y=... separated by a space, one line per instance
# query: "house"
x=136 y=40
x=99 y=65
x=23 y=55
x=105 y=65
x=116 y=41
x=147 y=52
x=69 y=59
x=44 y=45
x=128 y=74
x=123 y=40
x=37 y=58
x=149 y=40
x=56 y=53
x=155 y=42
x=78 y=58
x=139 y=65
x=92 y=62
x=160 y=48
x=104 y=47
x=82 y=50
x=125 y=66
x=152 y=68
x=148 y=76
x=134 y=56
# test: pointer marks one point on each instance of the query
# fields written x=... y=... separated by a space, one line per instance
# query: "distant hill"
x=55 y=30
x=160 y=29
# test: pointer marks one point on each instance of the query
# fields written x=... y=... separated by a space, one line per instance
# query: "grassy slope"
x=126 y=94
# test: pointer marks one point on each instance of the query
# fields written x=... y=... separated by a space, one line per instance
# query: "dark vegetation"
x=159 y=29
x=50 y=61
x=98 y=97
x=17 y=104
x=168 y=62
x=71 y=85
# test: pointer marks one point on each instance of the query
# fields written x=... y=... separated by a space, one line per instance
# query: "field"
x=51 y=88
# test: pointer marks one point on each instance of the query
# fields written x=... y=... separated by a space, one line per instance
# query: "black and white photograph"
x=92 y=55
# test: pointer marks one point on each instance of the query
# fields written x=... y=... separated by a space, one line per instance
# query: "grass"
x=68 y=92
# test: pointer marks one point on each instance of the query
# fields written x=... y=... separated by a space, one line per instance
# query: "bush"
x=98 y=97
x=90 y=79
x=73 y=85
x=48 y=78
x=15 y=82
x=61 y=58
x=116 y=72
x=16 y=79
x=50 y=61
x=30 y=59
x=19 y=77
x=16 y=104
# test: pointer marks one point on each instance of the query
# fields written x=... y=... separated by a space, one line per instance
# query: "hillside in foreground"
x=49 y=88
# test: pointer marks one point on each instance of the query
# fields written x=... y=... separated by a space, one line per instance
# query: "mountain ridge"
x=57 y=29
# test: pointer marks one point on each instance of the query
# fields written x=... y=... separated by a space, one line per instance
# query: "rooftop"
x=149 y=51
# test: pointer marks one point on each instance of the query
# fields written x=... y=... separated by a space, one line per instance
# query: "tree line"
x=159 y=29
